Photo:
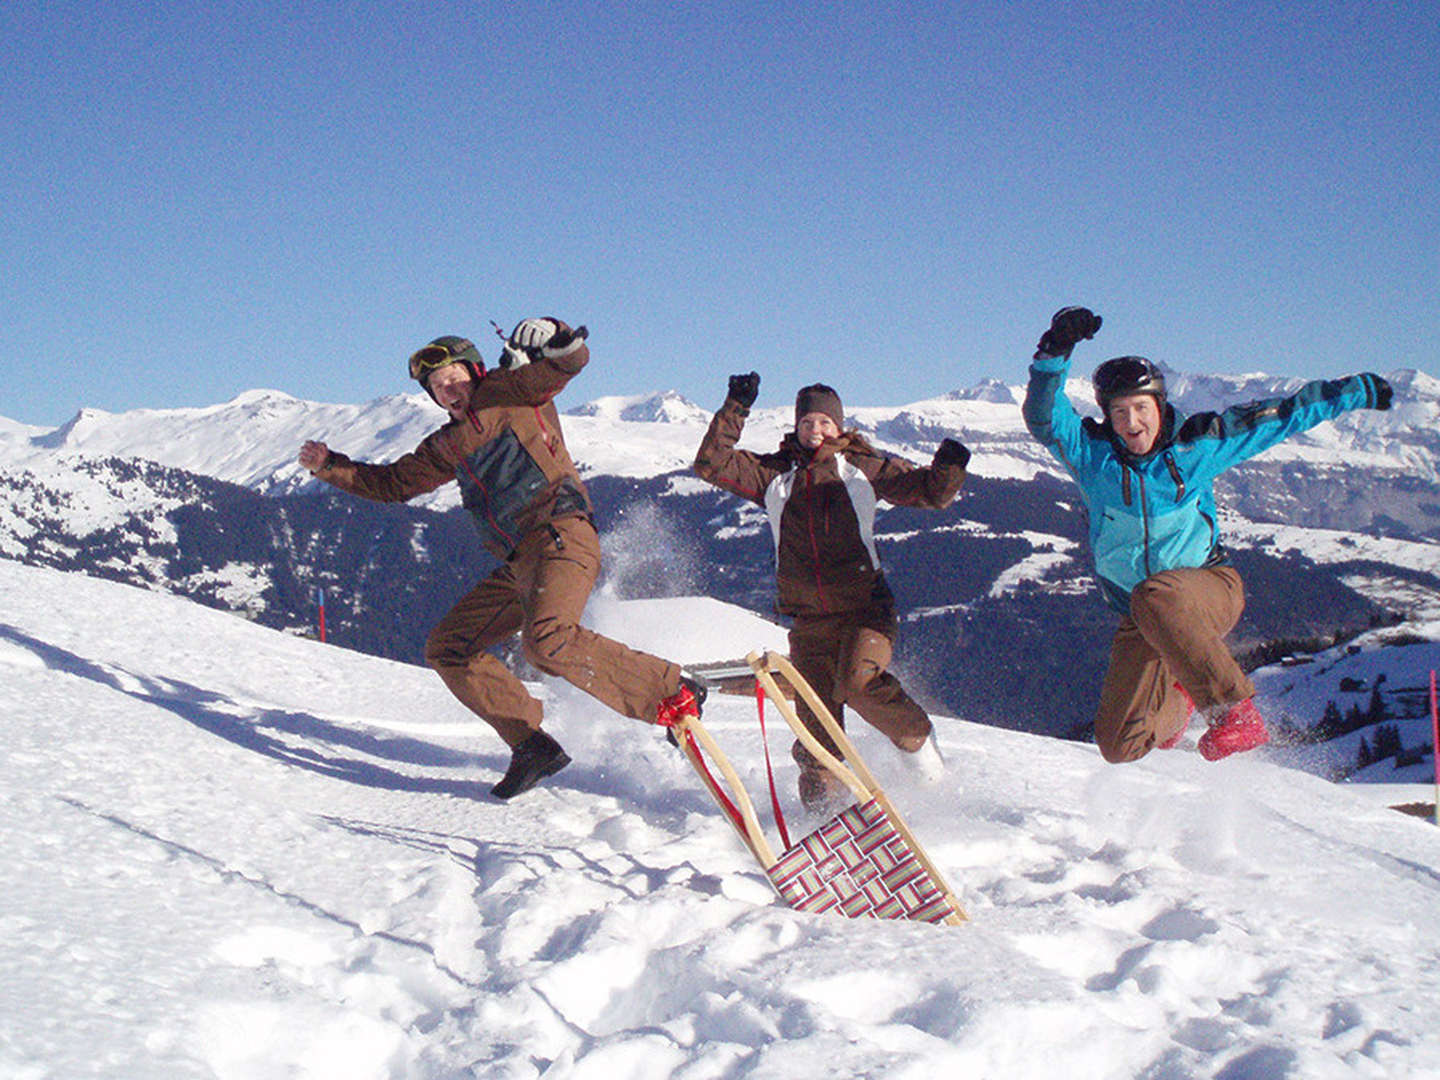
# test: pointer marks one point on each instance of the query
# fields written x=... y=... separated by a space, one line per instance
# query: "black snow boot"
x=531 y=761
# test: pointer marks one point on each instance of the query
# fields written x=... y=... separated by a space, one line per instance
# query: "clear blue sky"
x=202 y=198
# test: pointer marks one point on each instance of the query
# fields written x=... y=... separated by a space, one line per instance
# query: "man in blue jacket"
x=1147 y=474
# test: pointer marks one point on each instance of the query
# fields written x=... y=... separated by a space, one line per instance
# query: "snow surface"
x=233 y=853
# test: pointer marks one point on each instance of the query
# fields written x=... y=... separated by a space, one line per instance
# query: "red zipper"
x=814 y=544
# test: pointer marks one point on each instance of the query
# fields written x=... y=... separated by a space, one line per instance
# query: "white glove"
x=526 y=341
x=533 y=333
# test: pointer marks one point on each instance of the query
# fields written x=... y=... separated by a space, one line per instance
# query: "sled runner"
x=862 y=863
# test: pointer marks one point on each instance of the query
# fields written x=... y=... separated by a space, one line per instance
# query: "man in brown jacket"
x=504 y=447
x=820 y=490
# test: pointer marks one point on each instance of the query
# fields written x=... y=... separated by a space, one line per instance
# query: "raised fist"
x=314 y=455
x=952 y=452
x=744 y=388
x=1068 y=326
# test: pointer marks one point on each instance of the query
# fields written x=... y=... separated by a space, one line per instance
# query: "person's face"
x=451 y=386
x=814 y=428
x=1136 y=419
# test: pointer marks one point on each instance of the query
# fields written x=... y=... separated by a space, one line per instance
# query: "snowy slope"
x=232 y=853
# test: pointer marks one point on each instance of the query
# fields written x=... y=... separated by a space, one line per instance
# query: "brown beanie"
x=820 y=398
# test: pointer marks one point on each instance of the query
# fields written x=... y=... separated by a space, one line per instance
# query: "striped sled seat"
x=864 y=862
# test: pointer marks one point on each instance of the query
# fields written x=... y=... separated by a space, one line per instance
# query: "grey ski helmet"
x=1125 y=375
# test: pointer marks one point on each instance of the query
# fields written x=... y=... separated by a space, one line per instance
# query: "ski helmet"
x=443 y=351
x=1125 y=375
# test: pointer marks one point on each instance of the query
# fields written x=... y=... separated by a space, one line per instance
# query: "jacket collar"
x=803 y=457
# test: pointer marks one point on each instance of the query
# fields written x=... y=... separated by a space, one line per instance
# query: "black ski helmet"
x=1125 y=375
x=445 y=350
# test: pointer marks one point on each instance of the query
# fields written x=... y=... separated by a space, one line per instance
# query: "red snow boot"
x=1174 y=740
x=1241 y=728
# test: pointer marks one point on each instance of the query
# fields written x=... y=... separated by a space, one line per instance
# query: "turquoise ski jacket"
x=1157 y=512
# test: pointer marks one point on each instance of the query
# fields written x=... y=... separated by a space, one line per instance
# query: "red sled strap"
x=726 y=804
x=769 y=769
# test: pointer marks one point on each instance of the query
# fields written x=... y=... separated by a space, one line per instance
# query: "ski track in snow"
x=232 y=853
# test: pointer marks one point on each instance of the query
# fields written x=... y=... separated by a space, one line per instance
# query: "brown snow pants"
x=1174 y=634
x=844 y=657
x=540 y=593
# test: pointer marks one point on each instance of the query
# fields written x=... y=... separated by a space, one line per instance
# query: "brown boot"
x=821 y=791
x=531 y=761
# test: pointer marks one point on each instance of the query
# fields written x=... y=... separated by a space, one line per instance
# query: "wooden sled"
x=862 y=863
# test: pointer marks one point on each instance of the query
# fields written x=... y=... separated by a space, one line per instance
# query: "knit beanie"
x=820 y=398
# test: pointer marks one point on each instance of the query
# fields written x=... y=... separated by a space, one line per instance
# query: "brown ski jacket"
x=821 y=507
x=508 y=455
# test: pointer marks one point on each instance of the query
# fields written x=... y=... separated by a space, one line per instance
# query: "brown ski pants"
x=1174 y=634
x=540 y=593
x=844 y=657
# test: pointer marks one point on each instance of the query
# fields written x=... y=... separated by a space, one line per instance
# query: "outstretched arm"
x=425 y=469
x=547 y=355
x=718 y=461
x=1243 y=431
x=1047 y=410
x=930 y=487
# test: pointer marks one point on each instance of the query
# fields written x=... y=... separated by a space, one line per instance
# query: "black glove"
x=745 y=388
x=1383 y=393
x=564 y=336
x=1067 y=326
x=952 y=452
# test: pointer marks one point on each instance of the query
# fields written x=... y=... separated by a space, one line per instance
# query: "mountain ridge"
x=1337 y=533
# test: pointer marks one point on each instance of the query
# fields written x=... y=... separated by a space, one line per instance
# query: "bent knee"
x=544 y=644
x=1131 y=742
x=860 y=679
x=1120 y=754
x=1161 y=598
x=442 y=652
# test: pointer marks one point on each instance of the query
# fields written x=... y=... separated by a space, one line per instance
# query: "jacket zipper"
x=1175 y=475
x=814 y=544
x=485 y=491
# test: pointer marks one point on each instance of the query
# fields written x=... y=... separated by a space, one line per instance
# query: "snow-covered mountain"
x=230 y=853
x=1336 y=531
x=252 y=440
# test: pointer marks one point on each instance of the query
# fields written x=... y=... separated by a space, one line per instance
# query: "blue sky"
x=198 y=199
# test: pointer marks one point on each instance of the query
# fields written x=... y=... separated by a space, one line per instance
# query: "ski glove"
x=952 y=452
x=1383 y=393
x=745 y=388
x=533 y=333
x=533 y=338
x=564 y=337
x=1067 y=326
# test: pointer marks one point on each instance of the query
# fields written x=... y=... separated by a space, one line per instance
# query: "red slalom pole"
x=1435 y=744
x=321 y=592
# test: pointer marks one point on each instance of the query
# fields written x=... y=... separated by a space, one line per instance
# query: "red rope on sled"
x=714 y=785
x=769 y=770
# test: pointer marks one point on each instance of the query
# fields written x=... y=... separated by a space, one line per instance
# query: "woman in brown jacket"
x=504 y=447
x=820 y=490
